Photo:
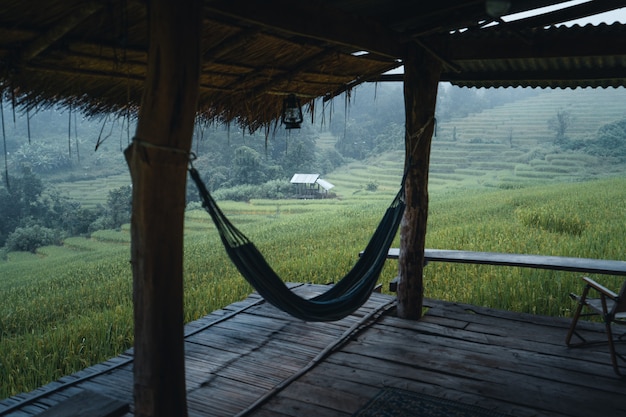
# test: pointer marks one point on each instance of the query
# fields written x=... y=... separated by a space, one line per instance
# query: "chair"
x=610 y=306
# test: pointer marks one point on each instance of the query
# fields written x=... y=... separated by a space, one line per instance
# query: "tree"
x=43 y=157
x=249 y=167
x=117 y=211
x=119 y=205
x=20 y=202
x=34 y=215
x=300 y=156
x=610 y=142
x=32 y=237
x=559 y=124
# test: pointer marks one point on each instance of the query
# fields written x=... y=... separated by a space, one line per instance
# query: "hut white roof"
x=325 y=184
x=304 y=178
x=311 y=179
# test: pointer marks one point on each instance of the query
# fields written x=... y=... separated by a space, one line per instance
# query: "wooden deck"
x=250 y=359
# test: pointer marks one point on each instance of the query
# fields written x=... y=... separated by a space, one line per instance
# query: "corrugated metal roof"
x=555 y=57
x=304 y=178
x=325 y=184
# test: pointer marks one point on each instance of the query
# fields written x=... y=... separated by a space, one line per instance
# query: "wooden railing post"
x=421 y=80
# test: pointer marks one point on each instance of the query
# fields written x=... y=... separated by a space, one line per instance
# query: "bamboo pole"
x=421 y=79
x=157 y=160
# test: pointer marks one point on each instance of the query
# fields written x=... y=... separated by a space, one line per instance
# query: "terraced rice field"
x=92 y=192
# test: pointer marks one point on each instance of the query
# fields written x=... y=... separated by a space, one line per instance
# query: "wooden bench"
x=560 y=263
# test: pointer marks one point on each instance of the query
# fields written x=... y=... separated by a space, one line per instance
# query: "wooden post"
x=158 y=160
x=421 y=79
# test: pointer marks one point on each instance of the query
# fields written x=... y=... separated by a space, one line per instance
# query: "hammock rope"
x=341 y=299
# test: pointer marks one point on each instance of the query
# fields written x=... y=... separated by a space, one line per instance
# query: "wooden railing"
x=560 y=263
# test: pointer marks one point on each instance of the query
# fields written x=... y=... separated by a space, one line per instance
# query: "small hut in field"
x=310 y=186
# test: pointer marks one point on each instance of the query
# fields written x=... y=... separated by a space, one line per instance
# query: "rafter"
x=230 y=44
x=357 y=81
x=300 y=67
x=544 y=45
x=305 y=19
x=55 y=33
x=521 y=77
x=123 y=77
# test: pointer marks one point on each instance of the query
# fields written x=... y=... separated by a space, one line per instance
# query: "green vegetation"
x=506 y=138
x=554 y=136
x=502 y=178
x=56 y=319
x=35 y=215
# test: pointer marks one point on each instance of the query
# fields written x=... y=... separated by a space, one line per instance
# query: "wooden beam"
x=576 y=43
x=230 y=44
x=360 y=80
x=78 y=72
x=127 y=80
x=301 y=66
x=547 y=76
x=73 y=19
x=512 y=77
x=158 y=159
x=310 y=19
x=421 y=79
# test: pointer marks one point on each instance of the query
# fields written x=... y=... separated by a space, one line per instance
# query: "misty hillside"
x=510 y=145
x=496 y=138
x=525 y=122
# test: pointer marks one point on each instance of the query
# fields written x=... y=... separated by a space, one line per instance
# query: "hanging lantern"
x=292 y=112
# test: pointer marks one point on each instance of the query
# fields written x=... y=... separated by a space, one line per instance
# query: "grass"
x=579 y=220
x=67 y=307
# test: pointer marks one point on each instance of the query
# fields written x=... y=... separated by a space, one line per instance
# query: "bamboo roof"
x=92 y=55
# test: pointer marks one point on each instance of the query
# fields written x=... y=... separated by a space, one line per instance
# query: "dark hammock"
x=341 y=299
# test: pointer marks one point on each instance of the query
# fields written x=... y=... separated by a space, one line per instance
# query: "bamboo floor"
x=250 y=359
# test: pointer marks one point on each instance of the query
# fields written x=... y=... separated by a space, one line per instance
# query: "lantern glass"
x=292 y=112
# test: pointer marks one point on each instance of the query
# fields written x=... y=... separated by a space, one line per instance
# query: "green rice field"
x=496 y=184
x=67 y=307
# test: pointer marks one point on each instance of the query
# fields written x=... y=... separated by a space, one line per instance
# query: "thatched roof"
x=92 y=55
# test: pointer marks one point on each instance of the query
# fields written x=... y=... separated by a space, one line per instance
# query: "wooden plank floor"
x=511 y=363
x=250 y=359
